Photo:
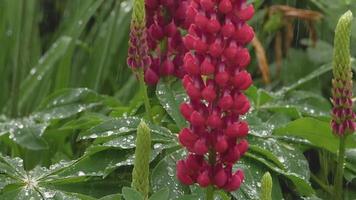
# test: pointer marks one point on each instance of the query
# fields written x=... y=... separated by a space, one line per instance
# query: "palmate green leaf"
x=25 y=132
x=60 y=181
x=117 y=127
x=250 y=189
x=283 y=159
x=68 y=102
x=302 y=186
x=28 y=132
x=286 y=109
x=162 y=194
x=11 y=168
x=164 y=175
x=259 y=97
x=131 y=194
x=115 y=143
x=317 y=132
x=170 y=100
x=85 y=122
x=286 y=156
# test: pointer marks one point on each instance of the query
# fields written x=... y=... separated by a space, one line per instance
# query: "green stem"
x=145 y=94
x=15 y=85
x=210 y=189
x=339 y=177
x=210 y=193
x=325 y=187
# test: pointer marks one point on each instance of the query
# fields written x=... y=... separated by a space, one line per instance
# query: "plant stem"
x=210 y=189
x=339 y=177
x=143 y=88
x=15 y=85
x=210 y=193
x=325 y=187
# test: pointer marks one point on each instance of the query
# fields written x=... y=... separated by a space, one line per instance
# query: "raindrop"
x=81 y=173
x=33 y=71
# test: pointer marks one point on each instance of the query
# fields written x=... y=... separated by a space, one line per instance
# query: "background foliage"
x=70 y=105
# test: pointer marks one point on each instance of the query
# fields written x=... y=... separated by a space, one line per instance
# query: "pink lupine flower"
x=215 y=80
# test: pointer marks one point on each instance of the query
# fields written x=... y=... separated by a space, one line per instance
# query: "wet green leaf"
x=315 y=131
x=170 y=101
x=131 y=194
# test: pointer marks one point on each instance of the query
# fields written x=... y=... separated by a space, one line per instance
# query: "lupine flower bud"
x=266 y=187
x=138 y=56
x=343 y=118
x=220 y=177
x=140 y=174
x=204 y=179
x=215 y=81
x=183 y=173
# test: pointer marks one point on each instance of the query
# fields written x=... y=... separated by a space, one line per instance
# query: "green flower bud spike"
x=140 y=174
x=266 y=187
x=343 y=117
x=138 y=53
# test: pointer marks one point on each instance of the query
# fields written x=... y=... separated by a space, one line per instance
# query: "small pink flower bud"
x=220 y=178
x=222 y=77
x=208 y=5
x=191 y=64
x=246 y=14
x=167 y=67
x=228 y=29
x=242 y=80
x=209 y=92
x=213 y=25
x=189 y=41
x=201 y=20
x=243 y=147
x=216 y=48
x=225 y=6
x=214 y=120
x=207 y=68
x=183 y=173
x=204 y=179
x=234 y=183
x=151 y=77
x=194 y=162
x=244 y=35
x=186 y=109
x=226 y=102
x=200 y=147
x=197 y=119
x=221 y=144
x=187 y=138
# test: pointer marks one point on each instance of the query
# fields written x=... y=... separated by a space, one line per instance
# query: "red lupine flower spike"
x=216 y=78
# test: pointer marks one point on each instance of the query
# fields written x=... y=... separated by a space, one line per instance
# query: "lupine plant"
x=343 y=117
x=177 y=100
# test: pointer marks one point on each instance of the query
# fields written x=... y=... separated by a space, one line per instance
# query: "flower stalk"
x=215 y=81
x=343 y=117
x=138 y=53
